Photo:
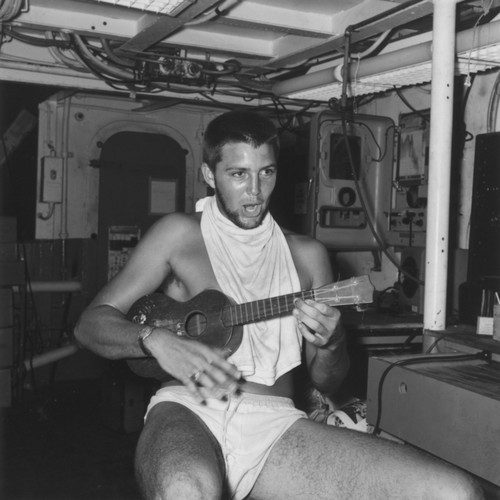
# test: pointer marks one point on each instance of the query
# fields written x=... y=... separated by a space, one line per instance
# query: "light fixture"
x=478 y=49
x=169 y=7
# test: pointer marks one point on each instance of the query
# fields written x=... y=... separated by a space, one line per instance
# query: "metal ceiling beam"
x=160 y=27
x=392 y=18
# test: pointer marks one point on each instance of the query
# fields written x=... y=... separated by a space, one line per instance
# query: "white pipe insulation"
x=50 y=356
x=440 y=149
x=53 y=286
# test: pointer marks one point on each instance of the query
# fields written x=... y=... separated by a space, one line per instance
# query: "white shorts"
x=246 y=426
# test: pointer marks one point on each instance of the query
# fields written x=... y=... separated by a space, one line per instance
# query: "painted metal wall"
x=72 y=129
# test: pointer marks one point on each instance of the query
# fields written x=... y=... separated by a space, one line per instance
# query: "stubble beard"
x=233 y=215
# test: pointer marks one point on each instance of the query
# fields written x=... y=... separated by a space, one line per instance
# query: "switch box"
x=52 y=178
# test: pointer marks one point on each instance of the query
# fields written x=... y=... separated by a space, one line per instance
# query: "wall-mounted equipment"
x=484 y=239
x=408 y=217
x=148 y=159
x=52 y=180
x=350 y=164
x=121 y=242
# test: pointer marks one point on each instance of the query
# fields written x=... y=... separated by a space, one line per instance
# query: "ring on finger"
x=195 y=376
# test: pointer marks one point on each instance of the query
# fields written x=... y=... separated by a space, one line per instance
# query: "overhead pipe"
x=408 y=56
x=413 y=55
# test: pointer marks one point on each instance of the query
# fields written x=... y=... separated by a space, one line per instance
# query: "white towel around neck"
x=255 y=264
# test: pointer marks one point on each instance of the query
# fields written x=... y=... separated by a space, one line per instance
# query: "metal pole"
x=437 y=237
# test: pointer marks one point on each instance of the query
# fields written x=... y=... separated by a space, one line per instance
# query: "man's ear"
x=208 y=175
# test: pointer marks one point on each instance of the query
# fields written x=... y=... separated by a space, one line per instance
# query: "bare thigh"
x=177 y=452
x=314 y=460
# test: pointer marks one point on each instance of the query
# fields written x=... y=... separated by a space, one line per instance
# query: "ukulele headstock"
x=357 y=290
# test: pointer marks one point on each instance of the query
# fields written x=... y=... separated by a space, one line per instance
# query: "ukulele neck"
x=259 y=310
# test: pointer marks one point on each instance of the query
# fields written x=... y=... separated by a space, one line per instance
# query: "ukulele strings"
x=275 y=306
x=334 y=288
x=265 y=308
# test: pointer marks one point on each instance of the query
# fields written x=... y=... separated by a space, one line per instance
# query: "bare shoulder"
x=153 y=260
x=302 y=243
x=176 y=223
x=311 y=259
x=171 y=232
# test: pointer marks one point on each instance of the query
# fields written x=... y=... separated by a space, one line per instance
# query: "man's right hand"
x=204 y=370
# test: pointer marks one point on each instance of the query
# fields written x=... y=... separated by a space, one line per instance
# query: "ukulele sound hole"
x=196 y=324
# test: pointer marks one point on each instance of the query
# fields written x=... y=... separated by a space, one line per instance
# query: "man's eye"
x=269 y=172
x=238 y=174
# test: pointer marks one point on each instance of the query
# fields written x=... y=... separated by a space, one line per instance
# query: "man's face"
x=243 y=181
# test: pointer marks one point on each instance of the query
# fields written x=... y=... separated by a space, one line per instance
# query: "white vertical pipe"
x=437 y=237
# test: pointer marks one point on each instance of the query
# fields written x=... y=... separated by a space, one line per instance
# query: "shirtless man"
x=225 y=426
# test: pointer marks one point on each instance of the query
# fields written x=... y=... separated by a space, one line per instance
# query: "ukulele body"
x=215 y=320
x=200 y=319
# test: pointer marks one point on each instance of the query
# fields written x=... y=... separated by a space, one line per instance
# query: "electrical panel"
x=350 y=165
x=484 y=240
x=407 y=219
x=52 y=174
x=121 y=242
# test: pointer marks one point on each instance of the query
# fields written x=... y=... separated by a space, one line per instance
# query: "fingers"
x=317 y=322
x=216 y=378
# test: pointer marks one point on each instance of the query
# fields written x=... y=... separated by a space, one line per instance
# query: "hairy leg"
x=177 y=457
x=314 y=460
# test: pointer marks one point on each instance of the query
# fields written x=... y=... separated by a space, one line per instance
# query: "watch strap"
x=144 y=333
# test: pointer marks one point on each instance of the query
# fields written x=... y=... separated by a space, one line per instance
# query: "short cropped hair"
x=237 y=126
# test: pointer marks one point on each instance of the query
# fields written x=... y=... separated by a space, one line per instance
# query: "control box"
x=407 y=219
x=447 y=408
x=350 y=166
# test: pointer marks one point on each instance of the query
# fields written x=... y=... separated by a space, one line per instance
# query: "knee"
x=188 y=483
x=459 y=486
x=190 y=486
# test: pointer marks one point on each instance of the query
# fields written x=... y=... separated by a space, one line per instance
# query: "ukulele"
x=216 y=320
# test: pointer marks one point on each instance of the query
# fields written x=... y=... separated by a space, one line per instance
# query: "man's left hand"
x=319 y=323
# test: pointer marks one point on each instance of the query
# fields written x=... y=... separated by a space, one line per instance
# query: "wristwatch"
x=144 y=333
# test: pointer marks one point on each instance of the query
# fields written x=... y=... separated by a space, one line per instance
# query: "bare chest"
x=192 y=272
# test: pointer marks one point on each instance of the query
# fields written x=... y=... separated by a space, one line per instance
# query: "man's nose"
x=254 y=187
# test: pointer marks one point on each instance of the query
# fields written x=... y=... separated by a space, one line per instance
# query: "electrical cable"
x=444 y=336
x=125 y=74
x=414 y=361
x=212 y=13
x=34 y=40
x=374 y=46
x=110 y=53
x=73 y=62
x=10 y=9
x=416 y=111
x=92 y=61
x=382 y=245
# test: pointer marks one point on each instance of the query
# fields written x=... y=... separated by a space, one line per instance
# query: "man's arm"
x=104 y=329
x=321 y=325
